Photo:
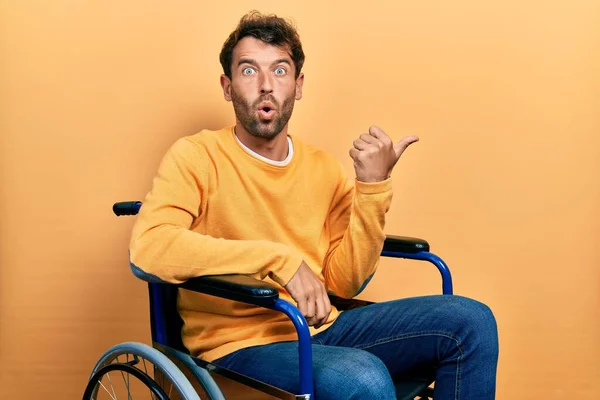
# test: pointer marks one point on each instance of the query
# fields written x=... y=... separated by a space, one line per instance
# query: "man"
x=253 y=199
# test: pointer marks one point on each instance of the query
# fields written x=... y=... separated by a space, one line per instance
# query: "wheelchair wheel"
x=137 y=371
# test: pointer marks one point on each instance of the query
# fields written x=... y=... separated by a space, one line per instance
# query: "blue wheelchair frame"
x=249 y=290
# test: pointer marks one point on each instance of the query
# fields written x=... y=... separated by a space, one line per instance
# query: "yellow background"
x=504 y=183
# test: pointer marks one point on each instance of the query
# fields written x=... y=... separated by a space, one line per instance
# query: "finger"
x=378 y=133
x=310 y=307
x=302 y=306
x=368 y=138
x=353 y=153
x=403 y=144
x=316 y=320
x=326 y=310
x=327 y=302
x=320 y=315
x=360 y=144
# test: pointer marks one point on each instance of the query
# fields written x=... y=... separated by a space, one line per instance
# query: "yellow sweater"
x=216 y=209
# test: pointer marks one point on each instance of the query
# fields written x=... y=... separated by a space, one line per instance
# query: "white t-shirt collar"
x=282 y=163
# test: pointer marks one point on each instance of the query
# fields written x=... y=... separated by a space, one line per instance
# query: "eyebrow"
x=252 y=62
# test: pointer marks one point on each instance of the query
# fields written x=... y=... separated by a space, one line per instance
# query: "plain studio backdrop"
x=504 y=184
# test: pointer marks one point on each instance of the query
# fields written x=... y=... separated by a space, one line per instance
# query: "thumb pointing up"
x=403 y=144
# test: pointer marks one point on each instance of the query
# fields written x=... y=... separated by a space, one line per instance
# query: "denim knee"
x=476 y=325
x=361 y=376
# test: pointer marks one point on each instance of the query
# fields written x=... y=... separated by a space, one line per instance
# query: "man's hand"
x=375 y=155
x=311 y=295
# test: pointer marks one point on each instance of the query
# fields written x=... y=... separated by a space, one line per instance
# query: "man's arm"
x=164 y=247
x=356 y=225
x=357 y=220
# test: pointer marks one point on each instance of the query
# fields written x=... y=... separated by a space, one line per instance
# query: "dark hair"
x=269 y=29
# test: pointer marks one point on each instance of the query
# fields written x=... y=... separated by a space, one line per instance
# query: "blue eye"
x=280 y=71
x=247 y=71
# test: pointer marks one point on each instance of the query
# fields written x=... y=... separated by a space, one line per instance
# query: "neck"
x=275 y=148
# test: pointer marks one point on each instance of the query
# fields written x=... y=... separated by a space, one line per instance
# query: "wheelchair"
x=166 y=370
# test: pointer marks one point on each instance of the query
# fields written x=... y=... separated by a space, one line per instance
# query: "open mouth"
x=266 y=111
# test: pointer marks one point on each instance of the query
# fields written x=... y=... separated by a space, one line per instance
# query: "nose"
x=266 y=84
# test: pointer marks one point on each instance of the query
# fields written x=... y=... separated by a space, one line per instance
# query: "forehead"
x=259 y=51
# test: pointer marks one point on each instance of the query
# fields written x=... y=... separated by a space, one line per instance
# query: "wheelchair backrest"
x=165 y=321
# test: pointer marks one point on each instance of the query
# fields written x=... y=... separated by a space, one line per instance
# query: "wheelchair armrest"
x=235 y=287
x=417 y=249
x=405 y=244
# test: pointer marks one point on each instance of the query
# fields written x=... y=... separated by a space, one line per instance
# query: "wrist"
x=372 y=179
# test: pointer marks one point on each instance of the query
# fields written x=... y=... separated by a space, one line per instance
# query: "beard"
x=247 y=115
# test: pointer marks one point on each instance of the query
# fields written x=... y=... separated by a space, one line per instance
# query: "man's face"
x=262 y=87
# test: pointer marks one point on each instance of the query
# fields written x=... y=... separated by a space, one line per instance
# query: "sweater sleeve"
x=356 y=226
x=164 y=248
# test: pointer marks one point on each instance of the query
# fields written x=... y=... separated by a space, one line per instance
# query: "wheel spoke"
x=126 y=381
x=122 y=374
x=104 y=387
x=145 y=369
x=129 y=390
x=111 y=385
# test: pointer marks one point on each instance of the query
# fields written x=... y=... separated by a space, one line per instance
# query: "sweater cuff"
x=373 y=187
x=285 y=273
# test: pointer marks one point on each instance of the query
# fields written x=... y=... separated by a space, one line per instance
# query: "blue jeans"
x=451 y=339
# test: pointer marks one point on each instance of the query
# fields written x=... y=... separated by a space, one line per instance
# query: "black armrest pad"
x=405 y=244
x=235 y=287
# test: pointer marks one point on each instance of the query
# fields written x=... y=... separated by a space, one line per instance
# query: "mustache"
x=268 y=98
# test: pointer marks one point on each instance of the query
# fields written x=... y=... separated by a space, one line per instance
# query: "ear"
x=226 y=85
x=299 y=84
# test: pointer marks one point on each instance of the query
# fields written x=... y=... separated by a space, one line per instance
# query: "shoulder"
x=206 y=138
x=316 y=154
x=321 y=160
x=203 y=143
